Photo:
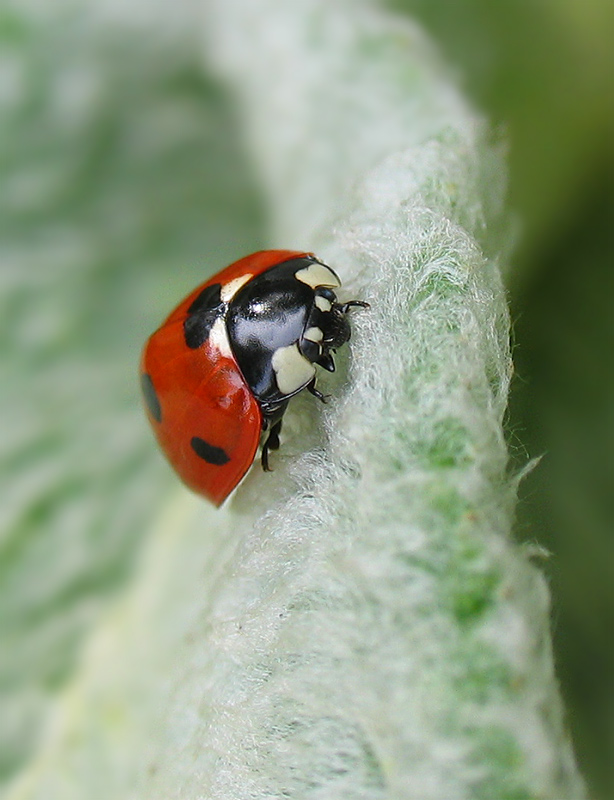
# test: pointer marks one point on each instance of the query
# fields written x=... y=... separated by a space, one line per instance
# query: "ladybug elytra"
x=225 y=363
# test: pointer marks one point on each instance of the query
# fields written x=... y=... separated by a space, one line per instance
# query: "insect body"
x=223 y=366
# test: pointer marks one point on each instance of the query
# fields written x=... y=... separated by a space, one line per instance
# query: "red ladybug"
x=225 y=363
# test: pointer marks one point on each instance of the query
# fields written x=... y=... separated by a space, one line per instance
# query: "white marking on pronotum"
x=218 y=337
x=292 y=370
x=323 y=304
x=228 y=290
x=314 y=335
x=318 y=275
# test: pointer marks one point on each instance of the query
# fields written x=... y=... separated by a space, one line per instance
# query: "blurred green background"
x=124 y=183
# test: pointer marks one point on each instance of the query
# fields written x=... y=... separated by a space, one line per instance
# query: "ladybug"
x=225 y=363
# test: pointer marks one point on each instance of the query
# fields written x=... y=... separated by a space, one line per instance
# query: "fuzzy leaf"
x=358 y=624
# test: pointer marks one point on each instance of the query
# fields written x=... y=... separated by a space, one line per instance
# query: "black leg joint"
x=311 y=387
x=272 y=443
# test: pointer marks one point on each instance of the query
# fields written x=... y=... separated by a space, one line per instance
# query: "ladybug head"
x=335 y=327
x=329 y=322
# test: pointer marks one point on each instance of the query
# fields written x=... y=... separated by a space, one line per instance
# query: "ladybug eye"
x=324 y=299
x=326 y=293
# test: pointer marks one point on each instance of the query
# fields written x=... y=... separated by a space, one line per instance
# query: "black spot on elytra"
x=207 y=299
x=151 y=398
x=202 y=314
x=209 y=452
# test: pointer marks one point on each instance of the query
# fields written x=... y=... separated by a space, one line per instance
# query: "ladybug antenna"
x=345 y=307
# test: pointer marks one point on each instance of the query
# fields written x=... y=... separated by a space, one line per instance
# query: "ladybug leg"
x=311 y=387
x=326 y=361
x=272 y=443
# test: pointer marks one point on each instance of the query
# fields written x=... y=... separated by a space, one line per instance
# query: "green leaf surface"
x=361 y=627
